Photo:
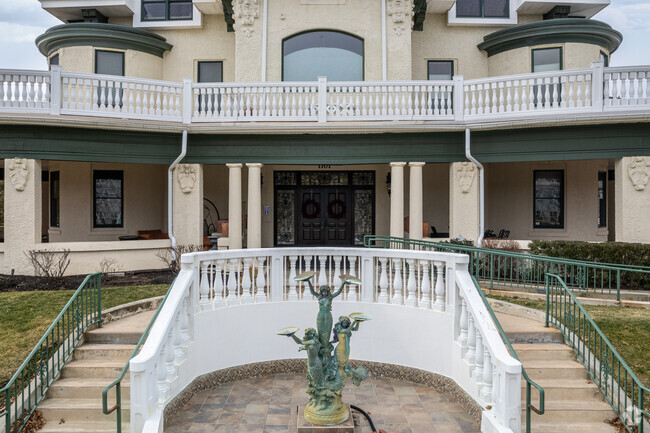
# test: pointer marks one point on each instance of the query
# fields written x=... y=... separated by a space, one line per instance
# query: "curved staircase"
x=74 y=402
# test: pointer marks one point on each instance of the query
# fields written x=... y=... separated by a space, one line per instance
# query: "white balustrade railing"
x=224 y=307
x=579 y=91
x=626 y=87
x=539 y=92
x=113 y=96
x=24 y=91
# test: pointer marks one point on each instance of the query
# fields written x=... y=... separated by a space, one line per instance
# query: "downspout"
x=383 y=40
x=481 y=183
x=170 y=194
x=265 y=19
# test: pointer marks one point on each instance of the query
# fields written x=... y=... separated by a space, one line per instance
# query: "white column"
x=397 y=199
x=415 y=200
x=254 y=206
x=234 y=207
x=23 y=213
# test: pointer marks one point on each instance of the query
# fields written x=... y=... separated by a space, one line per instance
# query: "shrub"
x=173 y=261
x=48 y=263
x=459 y=241
x=501 y=244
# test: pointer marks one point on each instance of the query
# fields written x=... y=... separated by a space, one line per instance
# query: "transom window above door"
x=336 y=55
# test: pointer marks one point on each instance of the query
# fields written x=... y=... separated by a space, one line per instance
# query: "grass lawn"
x=628 y=329
x=25 y=316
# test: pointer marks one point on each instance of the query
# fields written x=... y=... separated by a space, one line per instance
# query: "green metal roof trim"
x=101 y=35
x=554 y=31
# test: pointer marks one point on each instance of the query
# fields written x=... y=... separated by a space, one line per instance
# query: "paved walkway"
x=268 y=404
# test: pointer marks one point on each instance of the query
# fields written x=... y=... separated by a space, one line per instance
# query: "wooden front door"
x=324 y=217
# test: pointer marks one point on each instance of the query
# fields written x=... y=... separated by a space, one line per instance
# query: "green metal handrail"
x=619 y=385
x=511 y=269
x=30 y=383
x=529 y=382
x=118 y=382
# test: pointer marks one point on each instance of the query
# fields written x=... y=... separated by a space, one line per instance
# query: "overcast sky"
x=22 y=20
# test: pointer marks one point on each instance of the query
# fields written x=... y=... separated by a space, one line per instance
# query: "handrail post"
x=597 y=89
x=187 y=100
x=99 y=301
x=546 y=282
x=618 y=284
x=459 y=108
x=491 y=271
x=322 y=99
x=55 y=90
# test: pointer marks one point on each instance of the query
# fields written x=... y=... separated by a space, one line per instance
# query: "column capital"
x=397 y=164
x=234 y=165
x=416 y=164
x=254 y=165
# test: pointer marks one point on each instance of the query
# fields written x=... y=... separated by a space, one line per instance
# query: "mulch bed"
x=24 y=283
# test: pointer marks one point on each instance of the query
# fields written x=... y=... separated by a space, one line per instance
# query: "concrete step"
x=573 y=411
x=562 y=389
x=56 y=426
x=78 y=410
x=89 y=368
x=109 y=336
x=555 y=369
x=586 y=427
x=87 y=388
x=104 y=351
x=530 y=352
x=521 y=330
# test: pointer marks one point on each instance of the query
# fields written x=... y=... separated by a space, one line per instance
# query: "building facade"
x=317 y=122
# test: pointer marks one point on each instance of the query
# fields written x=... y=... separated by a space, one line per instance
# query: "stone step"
x=562 y=389
x=56 y=426
x=104 y=351
x=88 y=368
x=543 y=351
x=586 y=427
x=78 y=409
x=521 y=330
x=87 y=388
x=110 y=336
x=555 y=369
x=573 y=411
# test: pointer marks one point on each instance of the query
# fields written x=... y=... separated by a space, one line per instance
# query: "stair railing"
x=505 y=269
x=529 y=382
x=117 y=407
x=619 y=385
x=30 y=383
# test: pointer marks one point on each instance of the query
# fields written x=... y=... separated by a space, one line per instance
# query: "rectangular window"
x=548 y=212
x=54 y=199
x=109 y=62
x=210 y=72
x=440 y=69
x=602 y=199
x=545 y=60
x=482 y=8
x=108 y=198
x=165 y=10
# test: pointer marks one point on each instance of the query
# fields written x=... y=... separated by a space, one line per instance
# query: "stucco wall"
x=435 y=196
x=509 y=200
x=518 y=61
x=77 y=59
x=136 y=64
x=145 y=199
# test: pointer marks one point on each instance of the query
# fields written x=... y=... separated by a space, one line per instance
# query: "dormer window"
x=483 y=8
x=166 y=10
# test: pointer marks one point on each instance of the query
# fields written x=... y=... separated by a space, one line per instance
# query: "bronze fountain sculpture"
x=327 y=366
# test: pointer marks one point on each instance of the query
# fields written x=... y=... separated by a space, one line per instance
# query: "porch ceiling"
x=534 y=144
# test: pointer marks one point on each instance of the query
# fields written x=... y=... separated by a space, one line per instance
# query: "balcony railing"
x=619 y=91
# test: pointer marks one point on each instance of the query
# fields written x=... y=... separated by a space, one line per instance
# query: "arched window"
x=336 y=55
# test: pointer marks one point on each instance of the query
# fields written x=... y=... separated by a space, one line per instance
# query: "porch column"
x=632 y=199
x=254 y=206
x=23 y=213
x=188 y=204
x=397 y=199
x=415 y=200
x=234 y=207
x=464 y=201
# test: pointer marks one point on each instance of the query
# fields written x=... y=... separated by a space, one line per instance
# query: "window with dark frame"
x=440 y=70
x=548 y=199
x=109 y=63
x=166 y=10
x=546 y=60
x=210 y=72
x=602 y=199
x=483 y=8
x=108 y=198
x=55 y=202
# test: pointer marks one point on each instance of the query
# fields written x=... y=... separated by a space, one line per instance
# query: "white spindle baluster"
x=587 y=102
x=185 y=322
x=322 y=277
x=231 y=299
x=337 y=273
x=247 y=298
x=500 y=92
x=411 y=287
x=486 y=391
x=152 y=103
x=204 y=287
x=425 y=284
x=293 y=294
x=161 y=376
x=477 y=374
x=219 y=287
x=383 y=296
x=439 y=304
x=509 y=96
x=169 y=358
x=471 y=340
x=179 y=355
x=354 y=289
x=531 y=94
x=462 y=336
x=398 y=296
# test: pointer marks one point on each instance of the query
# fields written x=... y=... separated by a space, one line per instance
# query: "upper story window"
x=483 y=8
x=547 y=59
x=210 y=72
x=109 y=62
x=440 y=69
x=336 y=55
x=166 y=10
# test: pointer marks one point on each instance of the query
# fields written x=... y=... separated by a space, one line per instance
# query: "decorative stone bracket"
x=18 y=172
x=401 y=11
x=465 y=175
x=245 y=12
x=639 y=172
x=186 y=177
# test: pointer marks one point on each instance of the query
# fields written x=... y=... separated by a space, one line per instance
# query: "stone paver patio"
x=268 y=404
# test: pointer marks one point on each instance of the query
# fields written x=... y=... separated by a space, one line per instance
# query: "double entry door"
x=324 y=216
